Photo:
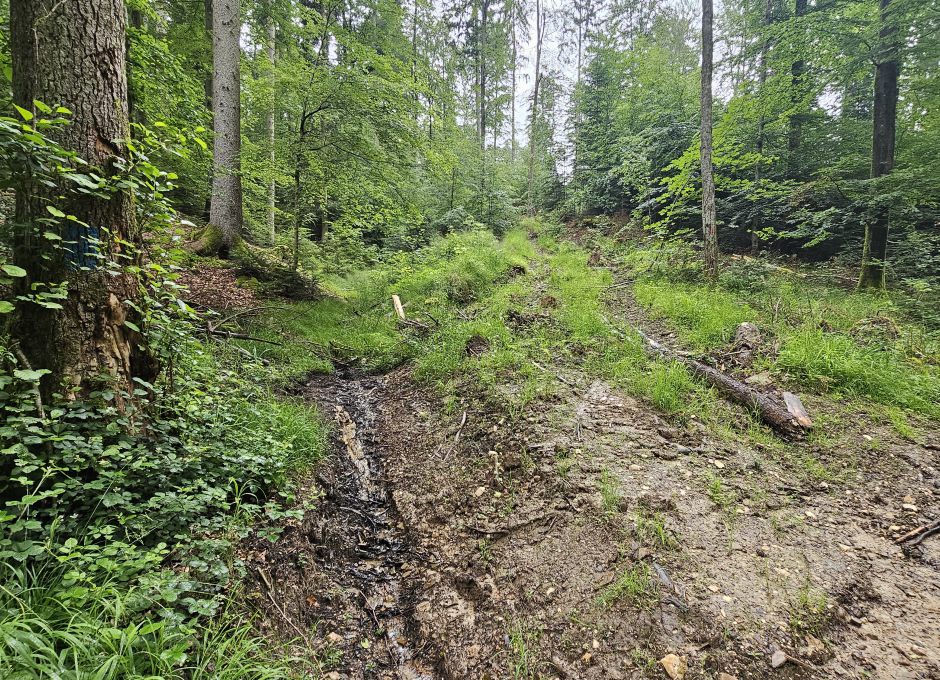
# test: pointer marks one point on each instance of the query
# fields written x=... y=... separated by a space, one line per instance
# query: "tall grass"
x=50 y=629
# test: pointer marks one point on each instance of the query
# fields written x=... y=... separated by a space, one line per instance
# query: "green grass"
x=651 y=529
x=523 y=664
x=835 y=362
x=705 y=318
x=853 y=344
x=49 y=629
x=610 y=493
x=634 y=585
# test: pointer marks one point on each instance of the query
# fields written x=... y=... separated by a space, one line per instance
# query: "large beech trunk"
x=225 y=216
x=884 y=126
x=709 y=218
x=72 y=54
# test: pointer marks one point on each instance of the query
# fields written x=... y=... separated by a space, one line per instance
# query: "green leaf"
x=27 y=115
x=45 y=108
x=132 y=326
x=55 y=212
x=6 y=307
x=31 y=376
x=13 y=270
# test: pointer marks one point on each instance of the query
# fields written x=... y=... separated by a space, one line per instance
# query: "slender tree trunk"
x=709 y=218
x=87 y=339
x=797 y=84
x=539 y=35
x=269 y=125
x=761 y=119
x=887 y=71
x=225 y=217
x=512 y=116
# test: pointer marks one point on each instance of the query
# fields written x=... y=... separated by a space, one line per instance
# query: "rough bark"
x=770 y=411
x=74 y=54
x=225 y=216
x=709 y=218
x=269 y=129
x=884 y=125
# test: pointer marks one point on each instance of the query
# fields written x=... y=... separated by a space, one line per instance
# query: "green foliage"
x=634 y=585
x=50 y=628
x=833 y=361
x=707 y=318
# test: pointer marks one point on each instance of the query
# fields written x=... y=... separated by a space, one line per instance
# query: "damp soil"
x=590 y=537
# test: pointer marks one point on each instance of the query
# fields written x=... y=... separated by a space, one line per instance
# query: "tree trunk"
x=761 y=120
x=539 y=35
x=887 y=70
x=797 y=77
x=512 y=115
x=86 y=339
x=709 y=219
x=225 y=217
x=269 y=125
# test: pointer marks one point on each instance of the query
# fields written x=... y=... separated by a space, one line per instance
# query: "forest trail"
x=590 y=537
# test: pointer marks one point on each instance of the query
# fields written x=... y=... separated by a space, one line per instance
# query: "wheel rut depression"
x=361 y=545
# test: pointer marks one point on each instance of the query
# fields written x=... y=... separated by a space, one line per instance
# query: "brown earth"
x=591 y=537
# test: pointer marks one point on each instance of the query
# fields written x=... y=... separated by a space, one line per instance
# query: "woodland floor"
x=591 y=536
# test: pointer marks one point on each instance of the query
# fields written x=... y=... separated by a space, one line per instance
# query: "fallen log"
x=771 y=412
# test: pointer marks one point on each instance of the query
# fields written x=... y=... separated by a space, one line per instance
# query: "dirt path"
x=591 y=537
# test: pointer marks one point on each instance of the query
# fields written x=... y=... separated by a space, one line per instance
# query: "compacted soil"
x=590 y=537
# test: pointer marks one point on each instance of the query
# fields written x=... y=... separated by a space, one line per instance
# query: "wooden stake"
x=399 y=309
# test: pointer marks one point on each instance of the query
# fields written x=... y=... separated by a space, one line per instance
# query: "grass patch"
x=610 y=493
x=835 y=362
x=808 y=611
x=522 y=663
x=651 y=529
x=634 y=585
x=705 y=318
x=49 y=629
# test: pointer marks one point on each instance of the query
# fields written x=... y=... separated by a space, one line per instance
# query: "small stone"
x=763 y=551
x=910 y=507
x=586 y=659
x=480 y=491
x=667 y=454
x=635 y=467
x=550 y=591
x=810 y=514
x=675 y=666
x=712 y=587
x=727 y=676
x=813 y=649
x=778 y=659
x=719 y=465
x=334 y=638
x=595 y=644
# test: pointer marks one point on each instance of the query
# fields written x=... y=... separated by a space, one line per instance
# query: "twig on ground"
x=920 y=533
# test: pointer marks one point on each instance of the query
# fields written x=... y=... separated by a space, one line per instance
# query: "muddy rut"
x=584 y=540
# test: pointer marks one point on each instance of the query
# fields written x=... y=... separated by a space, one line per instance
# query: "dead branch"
x=920 y=533
x=230 y=335
x=772 y=413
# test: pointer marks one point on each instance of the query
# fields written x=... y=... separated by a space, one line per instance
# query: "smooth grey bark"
x=709 y=218
x=74 y=54
x=539 y=38
x=225 y=216
x=269 y=129
x=762 y=119
x=884 y=132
